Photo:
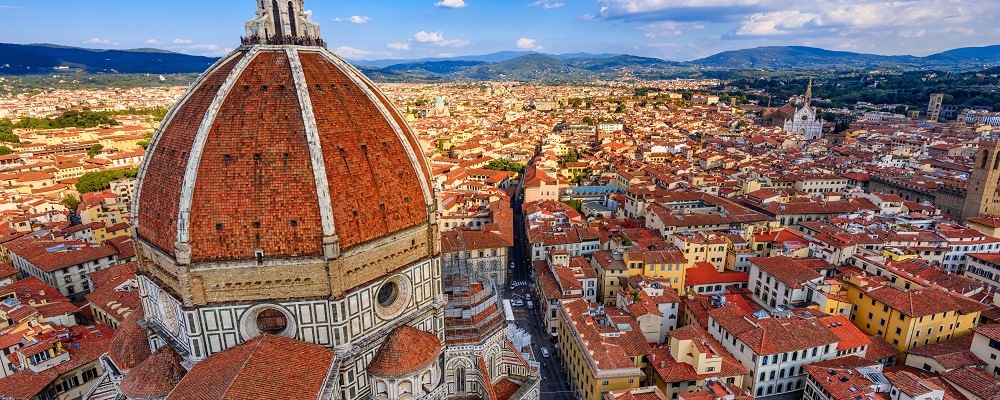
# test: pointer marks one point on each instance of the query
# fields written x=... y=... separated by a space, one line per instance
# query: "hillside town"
x=653 y=240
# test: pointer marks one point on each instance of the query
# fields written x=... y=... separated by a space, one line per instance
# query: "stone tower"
x=982 y=198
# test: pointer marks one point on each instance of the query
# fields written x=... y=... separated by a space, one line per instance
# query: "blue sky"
x=377 y=29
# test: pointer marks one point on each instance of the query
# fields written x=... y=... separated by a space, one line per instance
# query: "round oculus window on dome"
x=267 y=319
x=388 y=294
x=392 y=298
x=272 y=321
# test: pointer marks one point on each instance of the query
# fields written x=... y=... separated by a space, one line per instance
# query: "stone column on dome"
x=282 y=18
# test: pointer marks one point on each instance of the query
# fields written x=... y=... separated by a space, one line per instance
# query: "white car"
x=517 y=303
x=545 y=352
x=511 y=265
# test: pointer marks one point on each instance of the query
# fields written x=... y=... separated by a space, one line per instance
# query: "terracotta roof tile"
x=130 y=345
x=407 y=350
x=268 y=367
x=155 y=377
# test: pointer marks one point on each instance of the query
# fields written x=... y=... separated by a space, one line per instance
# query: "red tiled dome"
x=155 y=377
x=283 y=149
x=405 y=351
x=130 y=345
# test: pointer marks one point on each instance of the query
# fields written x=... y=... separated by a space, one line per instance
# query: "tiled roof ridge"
x=260 y=342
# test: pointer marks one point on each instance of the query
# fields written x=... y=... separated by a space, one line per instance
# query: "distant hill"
x=485 y=58
x=988 y=55
x=16 y=59
x=513 y=65
x=798 y=57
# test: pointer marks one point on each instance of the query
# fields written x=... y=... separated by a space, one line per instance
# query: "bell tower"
x=280 y=18
x=809 y=93
x=982 y=198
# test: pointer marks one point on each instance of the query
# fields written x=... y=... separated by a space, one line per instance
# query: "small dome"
x=407 y=350
x=130 y=345
x=155 y=377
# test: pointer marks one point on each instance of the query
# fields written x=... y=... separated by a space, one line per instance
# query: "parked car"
x=545 y=352
x=531 y=305
x=517 y=303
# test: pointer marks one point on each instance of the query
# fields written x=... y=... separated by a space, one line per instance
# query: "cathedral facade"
x=286 y=230
x=800 y=120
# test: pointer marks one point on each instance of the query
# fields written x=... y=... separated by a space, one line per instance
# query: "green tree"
x=575 y=204
x=71 y=202
x=95 y=150
x=98 y=181
x=7 y=132
x=504 y=165
x=4 y=150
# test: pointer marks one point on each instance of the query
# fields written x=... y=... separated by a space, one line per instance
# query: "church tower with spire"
x=809 y=93
x=804 y=121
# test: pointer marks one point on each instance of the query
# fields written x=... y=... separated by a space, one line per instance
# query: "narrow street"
x=554 y=380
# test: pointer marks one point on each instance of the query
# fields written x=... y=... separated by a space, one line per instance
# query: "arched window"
x=405 y=387
x=770 y=390
x=760 y=391
x=291 y=19
x=272 y=321
x=427 y=380
x=460 y=380
x=381 y=389
x=278 y=29
x=780 y=386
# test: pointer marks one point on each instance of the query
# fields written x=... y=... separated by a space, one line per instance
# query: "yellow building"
x=691 y=357
x=668 y=265
x=698 y=247
x=597 y=354
x=908 y=318
x=610 y=267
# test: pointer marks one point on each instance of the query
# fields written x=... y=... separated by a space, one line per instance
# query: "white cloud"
x=855 y=17
x=437 y=39
x=350 y=52
x=152 y=41
x=357 y=19
x=451 y=4
x=528 y=44
x=622 y=7
x=778 y=23
x=398 y=46
x=203 y=49
x=101 y=41
x=429 y=37
x=547 y=4
x=669 y=28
